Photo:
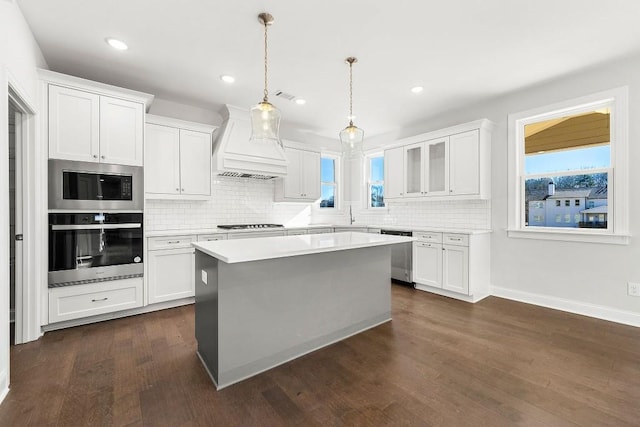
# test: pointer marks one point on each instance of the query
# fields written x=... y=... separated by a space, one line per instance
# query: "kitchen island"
x=264 y=301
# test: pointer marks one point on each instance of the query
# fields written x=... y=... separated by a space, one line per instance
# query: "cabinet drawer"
x=456 y=239
x=74 y=302
x=211 y=237
x=427 y=236
x=320 y=230
x=427 y=245
x=170 y=242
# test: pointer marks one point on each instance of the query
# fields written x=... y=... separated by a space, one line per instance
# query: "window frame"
x=369 y=182
x=618 y=178
x=337 y=201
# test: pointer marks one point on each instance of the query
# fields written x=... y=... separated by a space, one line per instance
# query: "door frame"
x=27 y=312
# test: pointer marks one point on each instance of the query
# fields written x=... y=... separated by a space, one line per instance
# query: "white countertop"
x=255 y=249
x=160 y=233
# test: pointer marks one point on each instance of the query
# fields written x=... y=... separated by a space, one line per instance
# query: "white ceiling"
x=461 y=51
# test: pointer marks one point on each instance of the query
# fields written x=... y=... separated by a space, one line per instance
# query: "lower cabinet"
x=170 y=270
x=75 y=302
x=452 y=264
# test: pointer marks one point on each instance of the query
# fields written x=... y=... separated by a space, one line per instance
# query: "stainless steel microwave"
x=94 y=186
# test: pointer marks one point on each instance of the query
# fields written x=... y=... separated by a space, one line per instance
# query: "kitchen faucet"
x=351 y=218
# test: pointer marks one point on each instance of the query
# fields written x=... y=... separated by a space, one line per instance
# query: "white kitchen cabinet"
x=452 y=163
x=350 y=229
x=414 y=170
x=436 y=174
x=79 y=301
x=298 y=232
x=302 y=183
x=427 y=261
x=177 y=159
x=464 y=163
x=455 y=269
x=85 y=126
x=394 y=173
x=456 y=265
x=170 y=268
x=74 y=124
x=254 y=234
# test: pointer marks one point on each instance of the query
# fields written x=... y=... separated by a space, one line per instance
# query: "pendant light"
x=265 y=117
x=352 y=136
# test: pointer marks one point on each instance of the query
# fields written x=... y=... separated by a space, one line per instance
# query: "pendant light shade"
x=265 y=117
x=351 y=137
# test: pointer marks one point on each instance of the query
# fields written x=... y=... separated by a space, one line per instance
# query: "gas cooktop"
x=246 y=226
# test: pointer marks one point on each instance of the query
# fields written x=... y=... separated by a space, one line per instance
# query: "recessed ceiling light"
x=417 y=89
x=301 y=101
x=227 y=79
x=116 y=44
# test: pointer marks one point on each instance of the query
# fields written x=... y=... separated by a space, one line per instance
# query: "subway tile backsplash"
x=241 y=200
x=233 y=201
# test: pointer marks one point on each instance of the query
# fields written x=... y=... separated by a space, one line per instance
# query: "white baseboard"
x=4 y=385
x=585 y=309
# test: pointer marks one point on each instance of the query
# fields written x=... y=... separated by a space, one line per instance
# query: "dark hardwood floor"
x=439 y=362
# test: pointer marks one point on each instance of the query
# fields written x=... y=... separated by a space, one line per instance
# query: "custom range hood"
x=234 y=155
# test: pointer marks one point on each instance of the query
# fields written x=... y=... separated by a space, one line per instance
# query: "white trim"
x=455 y=295
x=368 y=183
x=177 y=123
x=78 y=83
x=618 y=232
x=4 y=385
x=581 y=308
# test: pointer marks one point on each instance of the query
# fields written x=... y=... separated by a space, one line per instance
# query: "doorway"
x=20 y=123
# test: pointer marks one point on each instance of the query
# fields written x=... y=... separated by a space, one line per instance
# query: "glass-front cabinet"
x=414 y=170
x=437 y=167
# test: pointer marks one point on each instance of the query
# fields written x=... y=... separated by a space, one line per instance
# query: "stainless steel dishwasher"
x=401 y=258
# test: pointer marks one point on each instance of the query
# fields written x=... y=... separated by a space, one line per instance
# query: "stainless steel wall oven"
x=94 y=247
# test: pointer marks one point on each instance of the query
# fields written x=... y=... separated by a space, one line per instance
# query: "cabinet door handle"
x=455 y=239
x=98 y=300
x=175 y=242
x=450 y=191
x=103 y=157
x=177 y=189
x=95 y=156
x=183 y=189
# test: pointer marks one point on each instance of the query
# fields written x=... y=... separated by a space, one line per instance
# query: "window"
x=376 y=181
x=572 y=150
x=328 y=184
x=537 y=205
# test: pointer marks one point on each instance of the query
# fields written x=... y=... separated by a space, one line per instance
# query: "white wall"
x=586 y=278
x=19 y=58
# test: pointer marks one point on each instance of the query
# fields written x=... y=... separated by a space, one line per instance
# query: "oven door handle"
x=94 y=226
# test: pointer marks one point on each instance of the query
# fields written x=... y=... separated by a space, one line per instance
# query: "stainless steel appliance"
x=95 y=187
x=401 y=257
x=94 y=247
x=249 y=226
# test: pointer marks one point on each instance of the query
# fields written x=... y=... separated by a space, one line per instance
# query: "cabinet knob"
x=95 y=156
x=177 y=189
x=450 y=191
x=183 y=189
x=103 y=157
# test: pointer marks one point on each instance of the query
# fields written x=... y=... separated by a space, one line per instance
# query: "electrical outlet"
x=633 y=289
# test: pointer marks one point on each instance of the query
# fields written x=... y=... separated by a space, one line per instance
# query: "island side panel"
x=206 y=312
x=272 y=311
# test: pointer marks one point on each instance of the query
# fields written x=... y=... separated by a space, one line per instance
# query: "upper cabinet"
x=452 y=163
x=92 y=122
x=177 y=159
x=302 y=183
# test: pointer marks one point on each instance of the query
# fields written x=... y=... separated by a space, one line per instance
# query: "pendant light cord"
x=266 y=92
x=350 y=93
